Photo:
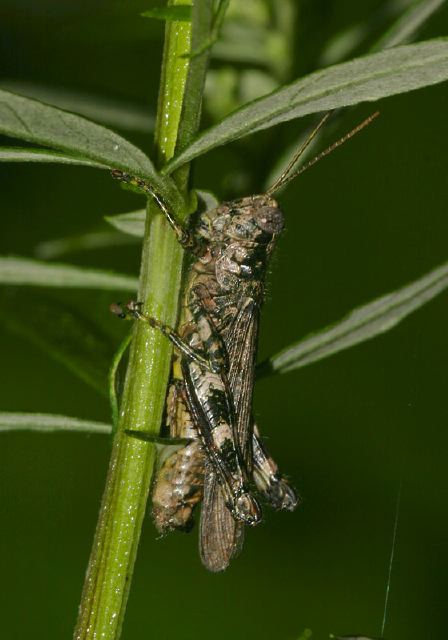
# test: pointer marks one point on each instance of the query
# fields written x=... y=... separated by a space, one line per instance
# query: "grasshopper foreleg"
x=186 y=238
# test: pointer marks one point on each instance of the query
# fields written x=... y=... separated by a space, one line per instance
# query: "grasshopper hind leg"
x=178 y=488
x=178 y=485
x=271 y=484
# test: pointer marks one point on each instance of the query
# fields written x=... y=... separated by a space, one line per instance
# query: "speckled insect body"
x=210 y=399
x=240 y=236
x=213 y=375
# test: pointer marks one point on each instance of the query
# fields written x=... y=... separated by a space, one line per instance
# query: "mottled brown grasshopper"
x=210 y=398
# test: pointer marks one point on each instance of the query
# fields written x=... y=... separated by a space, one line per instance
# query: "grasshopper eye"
x=270 y=219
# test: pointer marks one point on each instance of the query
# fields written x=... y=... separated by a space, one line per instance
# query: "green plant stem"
x=123 y=506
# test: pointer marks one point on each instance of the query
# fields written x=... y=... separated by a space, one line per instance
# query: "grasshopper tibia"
x=185 y=237
x=276 y=490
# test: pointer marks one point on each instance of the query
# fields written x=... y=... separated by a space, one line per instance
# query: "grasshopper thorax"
x=240 y=235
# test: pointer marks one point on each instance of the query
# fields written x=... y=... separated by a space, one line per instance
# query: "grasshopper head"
x=252 y=220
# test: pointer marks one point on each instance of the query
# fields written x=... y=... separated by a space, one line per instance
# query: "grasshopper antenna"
x=287 y=176
x=283 y=178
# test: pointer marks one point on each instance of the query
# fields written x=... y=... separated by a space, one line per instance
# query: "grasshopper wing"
x=221 y=536
x=241 y=343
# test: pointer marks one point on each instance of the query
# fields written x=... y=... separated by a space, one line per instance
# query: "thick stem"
x=123 y=506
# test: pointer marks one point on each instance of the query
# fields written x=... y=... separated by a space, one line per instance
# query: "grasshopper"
x=210 y=398
x=214 y=371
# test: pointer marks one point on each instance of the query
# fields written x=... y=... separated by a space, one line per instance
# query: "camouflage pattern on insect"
x=213 y=376
x=210 y=398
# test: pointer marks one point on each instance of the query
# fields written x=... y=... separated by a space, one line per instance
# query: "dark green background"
x=365 y=221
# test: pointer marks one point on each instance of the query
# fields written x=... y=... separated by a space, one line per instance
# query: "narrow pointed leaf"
x=208 y=200
x=114 y=381
x=109 y=111
x=21 y=154
x=342 y=44
x=50 y=423
x=50 y=249
x=132 y=223
x=364 y=323
x=36 y=122
x=27 y=272
x=403 y=30
x=364 y=79
x=407 y=25
x=61 y=332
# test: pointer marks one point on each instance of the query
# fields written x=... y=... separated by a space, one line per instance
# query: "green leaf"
x=178 y=13
x=364 y=79
x=28 y=272
x=39 y=123
x=245 y=44
x=113 y=378
x=363 y=323
x=62 y=333
x=132 y=223
x=23 y=154
x=49 y=423
x=405 y=28
x=50 y=249
x=109 y=111
x=341 y=45
x=208 y=200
